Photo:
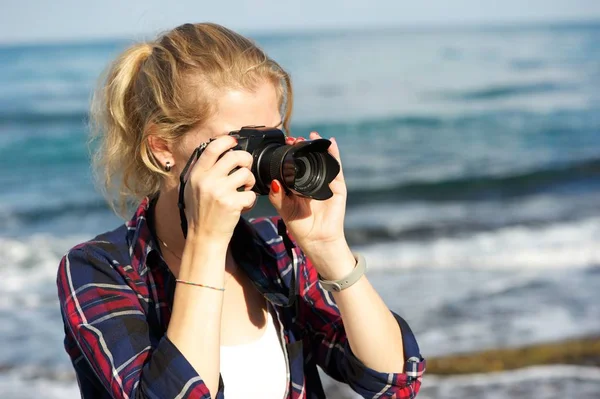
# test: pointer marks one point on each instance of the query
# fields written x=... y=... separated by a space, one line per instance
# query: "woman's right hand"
x=213 y=202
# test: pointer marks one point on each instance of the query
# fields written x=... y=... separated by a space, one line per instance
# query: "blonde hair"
x=169 y=85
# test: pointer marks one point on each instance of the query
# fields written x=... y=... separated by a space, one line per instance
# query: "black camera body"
x=305 y=168
x=254 y=139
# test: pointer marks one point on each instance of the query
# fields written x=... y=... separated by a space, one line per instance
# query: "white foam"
x=533 y=209
x=20 y=383
x=561 y=245
x=29 y=264
x=29 y=308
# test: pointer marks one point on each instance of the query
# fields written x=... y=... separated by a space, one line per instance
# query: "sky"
x=71 y=20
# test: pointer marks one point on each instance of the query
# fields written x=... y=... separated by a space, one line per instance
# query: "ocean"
x=472 y=158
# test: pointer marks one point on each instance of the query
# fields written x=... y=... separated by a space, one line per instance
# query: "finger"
x=276 y=195
x=231 y=160
x=299 y=139
x=334 y=150
x=314 y=136
x=289 y=140
x=214 y=150
x=246 y=199
x=242 y=177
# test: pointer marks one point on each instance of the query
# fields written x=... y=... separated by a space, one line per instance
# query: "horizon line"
x=282 y=32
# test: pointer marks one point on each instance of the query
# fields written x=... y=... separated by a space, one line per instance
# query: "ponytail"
x=118 y=128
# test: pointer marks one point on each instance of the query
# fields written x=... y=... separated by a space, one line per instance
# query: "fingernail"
x=274 y=186
x=300 y=139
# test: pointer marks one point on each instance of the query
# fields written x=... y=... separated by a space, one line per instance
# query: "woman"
x=235 y=308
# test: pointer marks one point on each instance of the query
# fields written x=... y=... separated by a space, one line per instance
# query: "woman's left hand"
x=317 y=226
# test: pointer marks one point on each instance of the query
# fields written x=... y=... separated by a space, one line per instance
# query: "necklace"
x=231 y=274
x=168 y=249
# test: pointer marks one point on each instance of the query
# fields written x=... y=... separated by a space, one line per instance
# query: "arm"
x=357 y=339
x=106 y=319
x=362 y=323
x=379 y=347
x=195 y=325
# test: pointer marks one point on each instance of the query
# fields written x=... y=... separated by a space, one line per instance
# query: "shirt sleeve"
x=321 y=317
x=104 y=316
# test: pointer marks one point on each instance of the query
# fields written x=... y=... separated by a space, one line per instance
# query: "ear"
x=160 y=148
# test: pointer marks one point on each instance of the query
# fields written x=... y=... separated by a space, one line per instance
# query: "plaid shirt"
x=116 y=294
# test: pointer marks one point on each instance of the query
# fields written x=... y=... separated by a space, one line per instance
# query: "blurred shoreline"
x=584 y=351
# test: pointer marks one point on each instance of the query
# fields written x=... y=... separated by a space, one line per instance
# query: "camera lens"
x=302 y=168
x=309 y=174
x=305 y=169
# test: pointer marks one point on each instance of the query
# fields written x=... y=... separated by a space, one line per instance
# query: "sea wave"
x=29 y=309
x=559 y=245
x=45 y=212
x=468 y=188
x=20 y=385
x=412 y=211
x=509 y=90
x=571 y=244
x=423 y=221
x=40 y=117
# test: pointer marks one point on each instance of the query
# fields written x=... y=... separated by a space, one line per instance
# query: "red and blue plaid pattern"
x=116 y=294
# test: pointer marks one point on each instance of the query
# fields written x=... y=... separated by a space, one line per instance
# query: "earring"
x=168 y=166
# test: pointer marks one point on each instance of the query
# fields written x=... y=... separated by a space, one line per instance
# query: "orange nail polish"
x=274 y=186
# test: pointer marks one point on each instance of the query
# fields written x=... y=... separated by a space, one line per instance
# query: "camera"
x=304 y=168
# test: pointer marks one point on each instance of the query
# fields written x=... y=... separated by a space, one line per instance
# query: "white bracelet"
x=350 y=279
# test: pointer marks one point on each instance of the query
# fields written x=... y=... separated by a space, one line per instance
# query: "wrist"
x=333 y=260
x=203 y=259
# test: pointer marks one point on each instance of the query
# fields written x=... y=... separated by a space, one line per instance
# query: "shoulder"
x=97 y=255
x=108 y=245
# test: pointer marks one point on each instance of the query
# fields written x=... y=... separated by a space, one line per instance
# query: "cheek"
x=183 y=150
x=181 y=157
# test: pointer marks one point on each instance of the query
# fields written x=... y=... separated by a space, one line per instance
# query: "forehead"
x=237 y=108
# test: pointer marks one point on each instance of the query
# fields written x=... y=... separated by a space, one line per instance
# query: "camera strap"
x=183 y=179
x=287 y=241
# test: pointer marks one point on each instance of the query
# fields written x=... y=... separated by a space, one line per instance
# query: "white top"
x=255 y=370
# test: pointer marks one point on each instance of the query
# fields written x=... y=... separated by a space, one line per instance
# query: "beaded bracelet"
x=199 y=285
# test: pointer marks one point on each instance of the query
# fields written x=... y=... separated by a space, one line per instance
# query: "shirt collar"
x=268 y=269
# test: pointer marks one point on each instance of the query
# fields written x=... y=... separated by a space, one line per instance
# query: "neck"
x=167 y=223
